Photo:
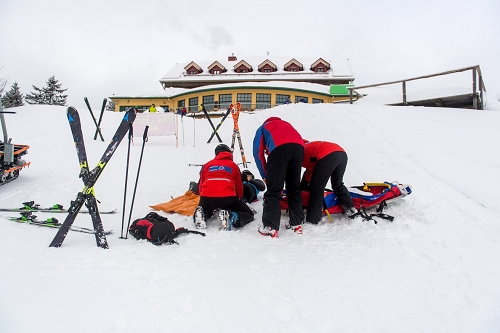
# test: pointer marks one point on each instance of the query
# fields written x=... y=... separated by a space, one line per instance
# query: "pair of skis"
x=96 y=123
x=235 y=114
x=29 y=218
x=90 y=177
x=30 y=206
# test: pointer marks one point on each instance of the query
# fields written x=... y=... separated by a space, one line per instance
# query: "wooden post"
x=474 y=89
x=481 y=106
x=350 y=96
x=404 y=93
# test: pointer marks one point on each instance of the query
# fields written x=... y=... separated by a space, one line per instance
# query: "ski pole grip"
x=145 y=136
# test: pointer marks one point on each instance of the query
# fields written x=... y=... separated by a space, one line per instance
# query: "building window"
x=301 y=99
x=208 y=102
x=193 y=72
x=243 y=70
x=216 y=72
x=282 y=99
x=320 y=69
x=193 y=104
x=140 y=108
x=267 y=70
x=317 y=101
x=181 y=103
x=293 y=69
x=225 y=100
x=263 y=101
x=245 y=100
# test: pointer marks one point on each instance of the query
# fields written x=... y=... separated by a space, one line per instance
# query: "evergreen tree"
x=110 y=106
x=52 y=94
x=13 y=97
x=36 y=97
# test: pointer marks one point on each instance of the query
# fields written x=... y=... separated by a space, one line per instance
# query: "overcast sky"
x=98 y=48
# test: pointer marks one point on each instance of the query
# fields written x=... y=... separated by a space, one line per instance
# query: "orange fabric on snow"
x=185 y=204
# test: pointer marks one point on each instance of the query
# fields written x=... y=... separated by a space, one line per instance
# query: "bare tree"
x=3 y=83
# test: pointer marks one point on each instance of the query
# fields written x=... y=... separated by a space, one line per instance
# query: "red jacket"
x=314 y=151
x=273 y=133
x=221 y=177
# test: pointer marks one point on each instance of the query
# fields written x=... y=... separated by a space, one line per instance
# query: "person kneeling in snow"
x=221 y=190
x=324 y=160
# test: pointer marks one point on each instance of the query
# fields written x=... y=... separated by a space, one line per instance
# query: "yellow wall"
x=123 y=101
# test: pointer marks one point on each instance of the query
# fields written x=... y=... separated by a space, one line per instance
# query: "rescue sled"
x=366 y=196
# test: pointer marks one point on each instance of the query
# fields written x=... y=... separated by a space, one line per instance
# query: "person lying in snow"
x=251 y=186
x=324 y=160
x=221 y=190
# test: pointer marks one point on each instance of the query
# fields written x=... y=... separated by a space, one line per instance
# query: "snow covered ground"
x=434 y=269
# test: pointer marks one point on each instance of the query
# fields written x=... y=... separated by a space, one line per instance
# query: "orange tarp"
x=185 y=204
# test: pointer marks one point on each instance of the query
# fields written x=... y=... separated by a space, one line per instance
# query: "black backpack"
x=157 y=229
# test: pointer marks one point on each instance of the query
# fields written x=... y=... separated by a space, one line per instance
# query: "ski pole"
x=130 y=134
x=144 y=140
x=194 y=130
x=100 y=117
x=93 y=118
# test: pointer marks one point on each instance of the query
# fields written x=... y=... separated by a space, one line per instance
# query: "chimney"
x=232 y=57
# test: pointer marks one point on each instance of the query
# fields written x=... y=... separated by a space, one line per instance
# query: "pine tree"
x=110 y=106
x=36 y=97
x=13 y=97
x=52 y=94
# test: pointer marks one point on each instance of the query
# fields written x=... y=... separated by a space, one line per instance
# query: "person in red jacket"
x=285 y=149
x=221 y=189
x=324 y=160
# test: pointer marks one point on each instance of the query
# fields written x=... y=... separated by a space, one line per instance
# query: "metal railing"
x=476 y=75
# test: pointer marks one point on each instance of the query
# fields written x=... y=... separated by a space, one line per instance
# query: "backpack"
x=157 y=229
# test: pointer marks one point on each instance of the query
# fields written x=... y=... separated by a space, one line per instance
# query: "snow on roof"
x=301 y=86
x=339 y=68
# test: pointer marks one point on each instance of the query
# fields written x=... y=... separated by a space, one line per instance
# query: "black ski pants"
x=284 y=166
x=233 y=204
x=332 y=167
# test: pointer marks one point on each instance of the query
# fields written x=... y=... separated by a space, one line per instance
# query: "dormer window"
x=216 y=68
x=242 y=67
x=293 y=66
x=193 y=69
x=320 y=66
x=267 y=67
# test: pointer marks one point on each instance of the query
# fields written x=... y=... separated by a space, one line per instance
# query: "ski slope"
x=434 y=269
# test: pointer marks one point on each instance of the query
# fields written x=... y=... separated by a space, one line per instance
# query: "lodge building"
x=255 y=82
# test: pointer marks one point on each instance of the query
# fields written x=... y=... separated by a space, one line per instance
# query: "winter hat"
x=222 y=147
x=244 y=175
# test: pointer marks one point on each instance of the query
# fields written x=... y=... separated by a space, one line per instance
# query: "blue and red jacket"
x=273 y=133
x=314 y=151
x=221 y=177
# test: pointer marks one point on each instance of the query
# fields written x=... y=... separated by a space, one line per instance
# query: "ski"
x=220 y=123
x=202 y=107
x=50 y=223
x=98 y=129
x=30 y=206
x=235 y=113
x=89 y=178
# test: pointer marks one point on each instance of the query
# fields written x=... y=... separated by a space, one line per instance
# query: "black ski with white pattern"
x=90 y=177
